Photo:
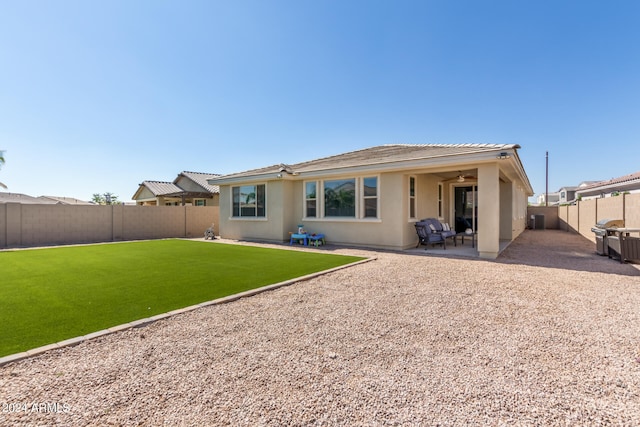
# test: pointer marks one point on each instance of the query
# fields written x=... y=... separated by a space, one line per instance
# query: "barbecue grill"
x=602 y=229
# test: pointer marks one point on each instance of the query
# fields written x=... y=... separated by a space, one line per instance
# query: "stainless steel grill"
x=603 y=229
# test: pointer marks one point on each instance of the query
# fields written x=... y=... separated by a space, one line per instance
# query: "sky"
x=98 y=96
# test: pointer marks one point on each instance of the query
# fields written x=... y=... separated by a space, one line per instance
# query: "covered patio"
x=465 y=250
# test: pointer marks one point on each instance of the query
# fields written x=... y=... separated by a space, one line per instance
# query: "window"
x=340 y=197
x=199 y=202
x=370 y=197
x=249 y=201
x=412 y=197
x=356 y=198
x=311 y=199
x=440 y=201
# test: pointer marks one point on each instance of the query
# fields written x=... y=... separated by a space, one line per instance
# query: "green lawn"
x=49 y=295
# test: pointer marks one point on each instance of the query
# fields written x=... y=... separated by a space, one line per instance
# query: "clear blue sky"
x=97 y=96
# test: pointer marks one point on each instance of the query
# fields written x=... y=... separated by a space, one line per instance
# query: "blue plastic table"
x=296 y=236
x=317 y=239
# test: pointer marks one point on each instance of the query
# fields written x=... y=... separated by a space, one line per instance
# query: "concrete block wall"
x=551 y=219
x=585 y=214
x=631 y=210
x=609 y=208
x=587 y=217
x=23 y=225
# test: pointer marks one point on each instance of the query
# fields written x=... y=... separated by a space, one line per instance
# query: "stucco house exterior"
x=373 y=197
x=189 y=188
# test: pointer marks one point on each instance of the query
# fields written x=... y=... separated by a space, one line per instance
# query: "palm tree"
x=2 y=163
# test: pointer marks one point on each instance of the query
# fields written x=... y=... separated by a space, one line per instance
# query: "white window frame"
x=440 y=200
x=306 y=199
x=359 y=200
x=363 y=209
x=248 y=217
x=413 y=198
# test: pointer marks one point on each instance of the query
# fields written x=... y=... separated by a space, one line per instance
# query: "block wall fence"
x=579 y=218
x=27 y=225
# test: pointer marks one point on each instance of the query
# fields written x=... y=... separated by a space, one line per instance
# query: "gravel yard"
x=547 y=334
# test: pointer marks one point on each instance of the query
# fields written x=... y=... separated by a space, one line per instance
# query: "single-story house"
x=24 y=199
x=613 y=187
x=374 y=196
x=42 y=200
x=189 y=188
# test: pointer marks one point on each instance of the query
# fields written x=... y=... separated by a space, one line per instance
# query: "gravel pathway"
x=548 y=334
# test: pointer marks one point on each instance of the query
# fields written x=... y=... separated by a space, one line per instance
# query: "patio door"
x=466 y=207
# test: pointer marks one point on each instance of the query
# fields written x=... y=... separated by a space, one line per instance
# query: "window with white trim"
x=340 y=197
x=311 y=199
x=249 y=201
x=356 y=198
x=370 y=197
x=412 y=197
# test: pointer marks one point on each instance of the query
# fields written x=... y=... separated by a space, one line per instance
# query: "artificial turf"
x=49 y=295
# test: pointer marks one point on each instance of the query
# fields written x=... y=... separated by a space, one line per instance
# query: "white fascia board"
x=438 y=164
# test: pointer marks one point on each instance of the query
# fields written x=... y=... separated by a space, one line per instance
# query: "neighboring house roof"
x=193 y=184
x=385 y=157
x=623 y=183
x=23 y=198
x=65 y=200
x=586 y=183
x=200 y=178
x=160 y=188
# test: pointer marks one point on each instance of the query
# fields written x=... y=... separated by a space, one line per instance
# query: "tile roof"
x=159 y=188
x=381 y=154
x=65 y=200
x=23 y=198
x=620 y=180
x=201 y=178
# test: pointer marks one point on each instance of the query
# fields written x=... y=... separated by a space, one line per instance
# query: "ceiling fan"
x=461 y=177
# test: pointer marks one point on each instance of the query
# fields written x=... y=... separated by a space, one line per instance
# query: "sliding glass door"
x=466 y=207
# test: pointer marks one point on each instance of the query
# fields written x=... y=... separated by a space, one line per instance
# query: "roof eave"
x=446 y=161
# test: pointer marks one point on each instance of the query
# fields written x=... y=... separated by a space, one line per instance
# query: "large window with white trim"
x=340 y=197
x=249 y=201
x=356 y=198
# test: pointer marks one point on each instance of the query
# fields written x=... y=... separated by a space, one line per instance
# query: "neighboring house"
x=24 y=199
x=613 y=187
x=373 y=197
x=189 y=188
x=42 y=200
x=64 y=200
x=554 y=198
x=567 y=195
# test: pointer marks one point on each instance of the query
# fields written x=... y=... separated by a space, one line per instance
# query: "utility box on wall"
x=536 y=222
